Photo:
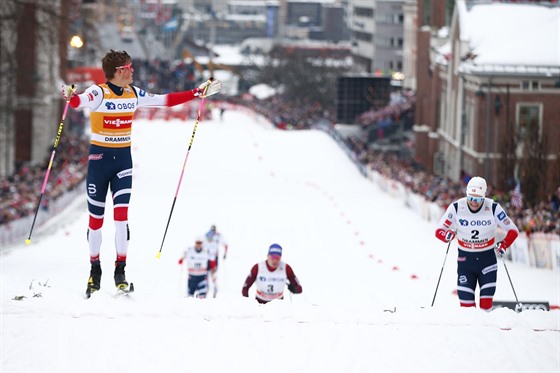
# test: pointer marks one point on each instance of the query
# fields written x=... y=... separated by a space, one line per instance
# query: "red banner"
x=86 y=75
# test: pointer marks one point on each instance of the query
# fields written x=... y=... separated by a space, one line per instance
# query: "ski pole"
x=439 y=279
x=183 y=170
x=55 y=146
x=517 y=304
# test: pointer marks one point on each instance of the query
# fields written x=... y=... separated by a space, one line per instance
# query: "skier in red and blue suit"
x=112 y=107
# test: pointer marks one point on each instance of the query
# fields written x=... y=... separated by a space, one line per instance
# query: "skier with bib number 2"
x=473 y=220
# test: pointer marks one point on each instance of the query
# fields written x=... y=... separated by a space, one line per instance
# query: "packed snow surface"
x=368 y=266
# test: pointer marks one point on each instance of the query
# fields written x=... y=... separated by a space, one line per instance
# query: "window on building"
x=363 y=36
x=528 y=119
x=427 y=12
x=399 y=65
x=530 y=85
x=382 y=41
x=400 y=42
x=363 y=12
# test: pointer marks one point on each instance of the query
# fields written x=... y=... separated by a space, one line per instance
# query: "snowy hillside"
x=358 y=253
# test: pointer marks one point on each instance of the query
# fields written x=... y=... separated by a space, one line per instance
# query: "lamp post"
x=488 y=105
x=76 y=42
x=75 y=55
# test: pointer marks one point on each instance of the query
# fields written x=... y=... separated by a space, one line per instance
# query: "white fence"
x=539 y=250
x=18 y=230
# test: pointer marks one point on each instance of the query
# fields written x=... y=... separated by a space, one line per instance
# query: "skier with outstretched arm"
x=112 y=106
x=473 y=220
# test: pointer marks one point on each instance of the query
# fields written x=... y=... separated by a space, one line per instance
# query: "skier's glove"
x=445 y=235
x=212 y=87
x=501 y=248
x=67 y=91
x=180 y=261
x=292 y=288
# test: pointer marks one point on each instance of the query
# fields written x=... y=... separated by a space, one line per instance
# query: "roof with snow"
x=509 y=38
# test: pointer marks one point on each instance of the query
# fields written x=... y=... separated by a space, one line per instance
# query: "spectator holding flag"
x=517 y=197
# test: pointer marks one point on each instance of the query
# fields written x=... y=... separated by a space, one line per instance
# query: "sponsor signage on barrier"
x=523 y=306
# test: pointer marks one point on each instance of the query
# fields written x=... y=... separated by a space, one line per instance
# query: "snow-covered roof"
x=231 y=55
x=262 y=91
x=510 y=38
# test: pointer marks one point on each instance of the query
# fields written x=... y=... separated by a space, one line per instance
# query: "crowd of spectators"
x=158 y=76
x=20 y=191
x=543 y=218
x=284 y=114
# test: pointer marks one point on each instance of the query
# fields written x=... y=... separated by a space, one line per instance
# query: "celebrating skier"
x=112 y=107
x=198 y=263
x=271 y=276
x=474 y=220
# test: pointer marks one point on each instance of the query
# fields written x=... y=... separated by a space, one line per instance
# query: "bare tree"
x=532 y=165
x=305 y=79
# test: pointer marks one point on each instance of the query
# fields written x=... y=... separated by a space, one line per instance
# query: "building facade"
x=33 y=44
x=492 y=104
x=377 y=29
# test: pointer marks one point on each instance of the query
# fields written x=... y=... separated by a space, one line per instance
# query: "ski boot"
x=94 y=281
x=120 y=278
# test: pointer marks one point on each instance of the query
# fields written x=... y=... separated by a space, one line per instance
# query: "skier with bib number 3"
x=473 y=220
x=112 y=106
x=271 y=276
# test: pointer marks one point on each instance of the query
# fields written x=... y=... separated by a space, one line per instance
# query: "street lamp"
x=76 y=42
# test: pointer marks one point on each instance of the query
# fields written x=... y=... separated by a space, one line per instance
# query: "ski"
x=120 y=291
x=125 y=290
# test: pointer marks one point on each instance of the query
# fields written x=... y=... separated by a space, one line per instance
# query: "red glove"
x=212 y=264
x=445 y=235
x=501 y=248
x=180 y=261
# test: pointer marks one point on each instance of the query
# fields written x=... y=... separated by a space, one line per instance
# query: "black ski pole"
x=439 y=279
x=55 y=146
x=158 y=255
x=517 y=304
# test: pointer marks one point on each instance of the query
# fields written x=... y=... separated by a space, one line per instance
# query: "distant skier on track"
x=214 y=242
x=271 y=276
x=112 y=105
x=198 y=264
x=474 y=220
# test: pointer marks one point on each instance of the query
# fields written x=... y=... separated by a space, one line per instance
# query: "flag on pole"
x=516 y=196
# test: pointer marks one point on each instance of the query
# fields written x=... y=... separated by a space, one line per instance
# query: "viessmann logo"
x=117 y=122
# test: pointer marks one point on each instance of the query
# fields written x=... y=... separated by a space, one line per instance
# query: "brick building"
x=486 y=85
